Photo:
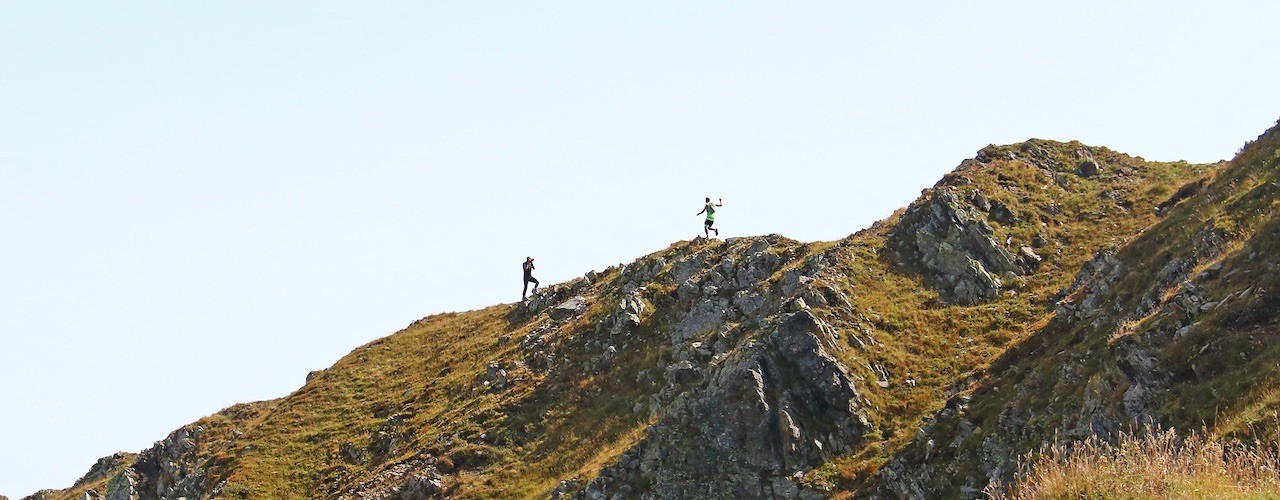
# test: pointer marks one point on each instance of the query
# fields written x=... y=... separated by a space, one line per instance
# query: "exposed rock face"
x=1095 y=278
x=779 y=407
x=949 y=237
x=105 y=467
x=170 y=469
x=552 y=295
x=124 y=486
x=568 y=309
x=417 y=479
x=741 y=414
x=496 y=377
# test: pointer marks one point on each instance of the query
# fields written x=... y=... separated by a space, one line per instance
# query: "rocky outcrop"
x=106 y=467
x=123 y=486
x=562 y=296
x=1088 y=166
x=745 y=410
x=1090 y=286
x=951 y=239
x=568 y=309
x=168 y=470
x=753 y=422
x=416 y=479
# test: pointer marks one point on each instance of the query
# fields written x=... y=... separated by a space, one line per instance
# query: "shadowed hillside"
x=1040 y=289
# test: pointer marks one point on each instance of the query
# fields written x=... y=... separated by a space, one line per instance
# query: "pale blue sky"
x=201 y=202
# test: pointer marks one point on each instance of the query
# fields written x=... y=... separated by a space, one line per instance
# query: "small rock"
x=979 y=201
x=1029 y=253
x=796 y=305
x=422 y=486
x=681 y=373
x=1088 y=168
x=568 y=488
x=631 y=320
x=568 y=308
x=496 y=376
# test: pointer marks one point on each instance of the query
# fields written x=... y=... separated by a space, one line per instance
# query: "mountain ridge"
x=757 y=366
x=1166 y=329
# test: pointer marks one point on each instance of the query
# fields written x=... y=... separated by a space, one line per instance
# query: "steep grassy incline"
x=1042 y=206
x=1176 y=327
x=754 y=366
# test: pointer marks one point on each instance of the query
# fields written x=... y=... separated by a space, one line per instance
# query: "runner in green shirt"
x=710 y=209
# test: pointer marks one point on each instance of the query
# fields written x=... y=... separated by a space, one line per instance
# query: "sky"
x=202 y=202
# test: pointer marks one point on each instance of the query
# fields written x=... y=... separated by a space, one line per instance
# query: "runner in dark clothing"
x=528 y=278
x=710 y=209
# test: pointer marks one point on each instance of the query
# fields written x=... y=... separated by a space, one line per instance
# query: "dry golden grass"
x=1148 y=464
x=571 y=422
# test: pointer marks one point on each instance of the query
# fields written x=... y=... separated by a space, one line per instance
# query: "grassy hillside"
x=932 y=350
x=1175 y=326
x=513 y=400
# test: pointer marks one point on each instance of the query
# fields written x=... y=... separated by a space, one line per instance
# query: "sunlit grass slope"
x=421 y=394
x=932 y=350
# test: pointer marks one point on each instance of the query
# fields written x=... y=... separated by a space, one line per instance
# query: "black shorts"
x=710 y=222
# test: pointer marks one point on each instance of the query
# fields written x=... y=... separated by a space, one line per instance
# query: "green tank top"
x=711 y=212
